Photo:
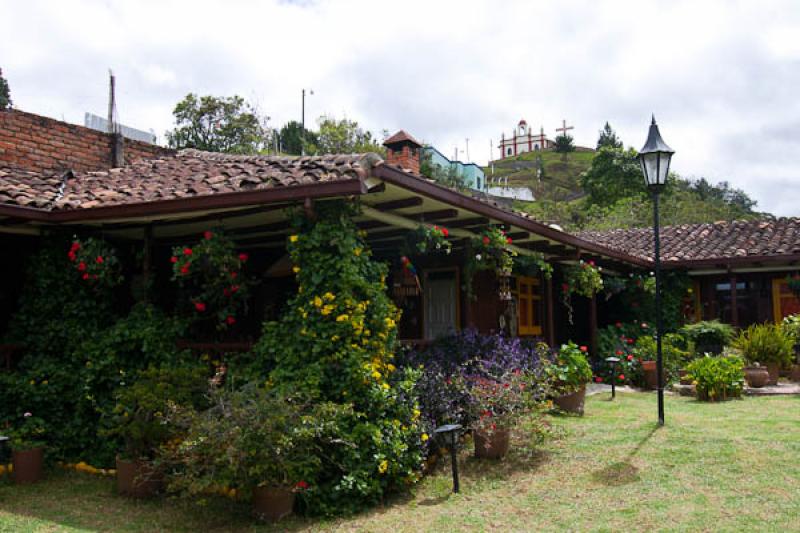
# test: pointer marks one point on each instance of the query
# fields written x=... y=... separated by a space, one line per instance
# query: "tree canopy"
x=564 y=144
x=217 y=124
x=345 y=136
x=608 y=138
x=292 y=138
x=615 y=173
x=5 y=92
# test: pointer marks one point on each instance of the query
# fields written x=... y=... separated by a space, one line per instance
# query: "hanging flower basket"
x=584 y=279
x=431 y=239
x=491 y=251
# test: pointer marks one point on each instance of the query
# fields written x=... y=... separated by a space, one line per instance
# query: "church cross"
x=564 y=128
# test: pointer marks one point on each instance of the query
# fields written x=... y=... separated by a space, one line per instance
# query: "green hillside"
x=559 y=180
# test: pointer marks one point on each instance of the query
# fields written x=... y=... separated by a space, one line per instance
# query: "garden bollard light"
x=613 y=361
x=452 y=430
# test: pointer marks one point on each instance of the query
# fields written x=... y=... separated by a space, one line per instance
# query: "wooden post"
x=734 y=306
x=467 y=301
x=147 y=262
x=551 y=331
x=593 y=325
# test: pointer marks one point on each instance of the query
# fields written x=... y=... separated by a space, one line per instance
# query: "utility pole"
x=467 y=149
x=303 y=122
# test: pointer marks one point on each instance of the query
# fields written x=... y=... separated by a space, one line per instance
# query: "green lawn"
x=715 y=467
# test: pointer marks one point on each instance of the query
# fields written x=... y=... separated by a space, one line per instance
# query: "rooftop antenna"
x=468 y=160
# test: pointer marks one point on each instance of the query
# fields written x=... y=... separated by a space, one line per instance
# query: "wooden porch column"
x=551 y=331
x=593 y=325
x=734 y=307
x=147 y=262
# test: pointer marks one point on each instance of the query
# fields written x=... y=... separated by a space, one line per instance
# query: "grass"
x=714 y=467
x=560 y=178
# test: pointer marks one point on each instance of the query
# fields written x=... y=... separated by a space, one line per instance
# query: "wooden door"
x=529 y=312
x=441 y=303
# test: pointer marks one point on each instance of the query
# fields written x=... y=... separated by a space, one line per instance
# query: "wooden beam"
x=518 y=235
x=466 y=222
x=429 y=216
x=413 y=201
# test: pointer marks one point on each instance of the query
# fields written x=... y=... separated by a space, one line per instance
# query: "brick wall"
x=44 y=144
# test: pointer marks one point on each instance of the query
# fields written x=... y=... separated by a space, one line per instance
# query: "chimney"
x=403 y=150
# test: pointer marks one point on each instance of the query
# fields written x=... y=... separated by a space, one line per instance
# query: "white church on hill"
x=523 y=140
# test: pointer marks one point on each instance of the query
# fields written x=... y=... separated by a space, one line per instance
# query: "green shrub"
x=570 y=370
x=27 y=432
x=791 y=327
x=138 y=419
x=717 y=378
x=249 y=438
x=673 y=351
x=765 y=343
x=709 y=335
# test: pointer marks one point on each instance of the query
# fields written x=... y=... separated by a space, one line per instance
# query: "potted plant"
x=570 y=372
x=756 y=375
x=498 y=402
x=138 y=421
x=791 y=326
x=256 y=441
x=709 y=336
x=768 y=345
x=717 y=378
x=27 y=449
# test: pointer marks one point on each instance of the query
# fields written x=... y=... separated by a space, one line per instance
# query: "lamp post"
x=303 y=122
x=655 y=157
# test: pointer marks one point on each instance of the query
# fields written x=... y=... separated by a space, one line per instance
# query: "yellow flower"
x=383 y=467
x=293 y=238
x=328 y=296
x=357 y=252
x=385 y=386
x=32 y=382
x=390 y=367
x=44 y=382
x=389 y=322
x=376 y=374
x=424 y=437
x=317 y=301
x=342 y=318
x=416 y=413
x=295 y=269
x=328 y=309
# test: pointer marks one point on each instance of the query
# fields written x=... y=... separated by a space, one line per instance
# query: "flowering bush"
x=570 y=370
x=27 y=433
x=717 y=378
x=335 y=344
x=791 y=327
x=138 y=418
x=431 y=239
x=583 y=279
x=249 y=438
x=498 y=403
x=95 y=262
x=451 y=365
x=212 y=275
x=492 y=251
x=619 y=340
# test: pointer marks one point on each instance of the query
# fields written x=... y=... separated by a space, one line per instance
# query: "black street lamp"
x=655 y=156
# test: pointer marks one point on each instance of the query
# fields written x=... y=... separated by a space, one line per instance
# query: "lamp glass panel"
x=650 y=163
x=664 y=167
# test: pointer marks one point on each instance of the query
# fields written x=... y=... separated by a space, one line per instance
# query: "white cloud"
x=720 y=76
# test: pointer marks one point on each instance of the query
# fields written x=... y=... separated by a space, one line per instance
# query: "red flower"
x=506 y=385
x=445 y=232
x=187 y=251
x=99 y=259
x=494 y=427
x=71 y=255
x=243 y=257
x=173 y=259
x=234 y=288
x=619 y=352
x=75 y=246
x=630 y=358
x=85 y=275
x=185 y=269
x=485 y=240
x=631 y=341
x=200 y=306
x=301 y=485
x=598 y=379
x=226 y=291
x=508 y=240
x=591 y=263
x=565 y=287
x=584 y=349
x=233 y=275
x=621 y=377
x=81 y=266
x=618 y=324
x=230 y=320
x=207 y=235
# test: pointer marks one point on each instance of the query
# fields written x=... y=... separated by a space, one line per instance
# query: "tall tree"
x=217 y=124
x=615 y=173
x=608 y=137
x=292 y=137
x=345 y=136
x=5 y=92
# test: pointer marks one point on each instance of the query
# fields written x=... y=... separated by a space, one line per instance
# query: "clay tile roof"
x=401 y=136
x=185 y=174
x=718 y=240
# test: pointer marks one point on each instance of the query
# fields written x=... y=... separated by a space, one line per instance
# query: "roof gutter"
x=438 y=192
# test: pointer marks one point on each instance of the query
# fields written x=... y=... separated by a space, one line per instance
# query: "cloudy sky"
x=723 y=78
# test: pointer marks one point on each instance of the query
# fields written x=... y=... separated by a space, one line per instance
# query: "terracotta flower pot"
x=138 y=479
x=491 y=446
x=27 y=465
x=271 y=503
x=572 y=402
x=650 y=374
x=756 y=376
x=683 y=375
x=774 y=370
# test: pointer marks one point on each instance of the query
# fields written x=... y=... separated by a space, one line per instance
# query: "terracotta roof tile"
x=401 y=136
x=187 y=173
x=718 y=240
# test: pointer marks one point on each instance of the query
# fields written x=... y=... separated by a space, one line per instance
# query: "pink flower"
x=598 y=379
x=230 y=320
x=173 y=259
x=99 y=260
x=243 y=257
x=85 y=275
x=200 y=306
x=621 y=377
x=584 y=349
x=630 y=358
